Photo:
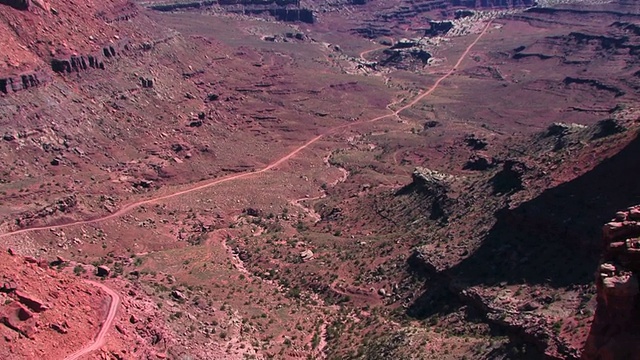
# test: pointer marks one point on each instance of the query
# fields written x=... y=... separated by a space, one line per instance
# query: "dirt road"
x=275 y=164
x=100 y=339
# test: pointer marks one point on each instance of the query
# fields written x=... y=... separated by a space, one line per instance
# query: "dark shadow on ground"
x=555 y=238
x=16 y=4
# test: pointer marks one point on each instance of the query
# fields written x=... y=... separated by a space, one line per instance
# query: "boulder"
x=30 y=301
x=60 y=328
x=306 y=255
x=17 y=318
x=103 y=271
x=146 y=83
x=8 y=286
x=178 y=295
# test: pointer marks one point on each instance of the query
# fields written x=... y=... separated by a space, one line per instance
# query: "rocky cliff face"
x=78 y=63
x=615 y=331
x=492 y=3
x=281 y=10
x=432 y=189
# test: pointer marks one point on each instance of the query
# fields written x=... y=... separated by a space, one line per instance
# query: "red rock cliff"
x=615 y=333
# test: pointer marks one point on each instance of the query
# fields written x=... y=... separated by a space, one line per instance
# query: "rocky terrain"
x=614 y=333
x=318 y=179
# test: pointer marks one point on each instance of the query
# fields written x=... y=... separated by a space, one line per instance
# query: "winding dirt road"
x=210 y=183
x=115 y=298
x=100 y=339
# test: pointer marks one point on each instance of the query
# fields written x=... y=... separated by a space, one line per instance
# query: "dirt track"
x=100 y=339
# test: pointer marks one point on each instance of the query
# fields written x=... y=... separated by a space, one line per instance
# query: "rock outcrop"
x=439 y=27
x=615 y=333
x=281 y=10
x=433 y=188
x=15 y=83
x=25 y=5
x=77 y=63
x=493 y=3
x=398 y=56
x=60 y=206
x=479 y=162
x=595 y=83
x=510 y=178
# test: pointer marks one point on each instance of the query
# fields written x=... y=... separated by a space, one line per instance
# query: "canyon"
x=407 y=179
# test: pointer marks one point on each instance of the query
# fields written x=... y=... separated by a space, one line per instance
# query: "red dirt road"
x=208 y=184
x=100 y=339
